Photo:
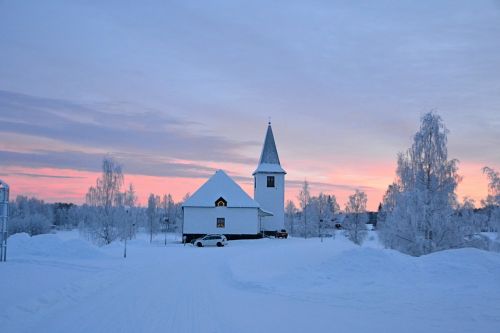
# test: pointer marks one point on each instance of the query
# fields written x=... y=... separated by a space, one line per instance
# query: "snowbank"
x=51 y=246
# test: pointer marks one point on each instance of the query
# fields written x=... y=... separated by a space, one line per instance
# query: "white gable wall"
x=203 y=220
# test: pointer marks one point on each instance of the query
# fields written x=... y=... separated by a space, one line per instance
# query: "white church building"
x=221 y=206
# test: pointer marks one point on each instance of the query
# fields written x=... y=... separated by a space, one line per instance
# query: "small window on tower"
x=270 y=181
x=221 y=222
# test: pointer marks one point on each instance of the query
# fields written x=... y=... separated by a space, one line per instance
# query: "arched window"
x=221 y=202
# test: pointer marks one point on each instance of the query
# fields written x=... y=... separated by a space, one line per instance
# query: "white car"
x=211 y=240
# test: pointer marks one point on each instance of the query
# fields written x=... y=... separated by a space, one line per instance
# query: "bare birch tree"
x=290 y=212
x=304 y=199
x=418 y=210
x=492 y=201
x=102 y=224
x=153 y=216
x=356 y=217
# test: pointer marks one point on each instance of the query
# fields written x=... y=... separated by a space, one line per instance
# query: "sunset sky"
x=175 y=90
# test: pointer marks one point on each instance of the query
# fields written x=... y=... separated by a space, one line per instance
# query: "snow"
x=269 y=168
x=61 y=283
x=220 y=185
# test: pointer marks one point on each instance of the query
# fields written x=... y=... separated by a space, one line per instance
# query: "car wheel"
x=219 y=244
x=199 y=244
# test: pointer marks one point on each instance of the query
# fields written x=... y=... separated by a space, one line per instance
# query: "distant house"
x=221 y=206
x=372 y=218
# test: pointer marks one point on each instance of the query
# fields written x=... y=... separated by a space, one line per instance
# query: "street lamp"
x=128 y=230
x=321 y=229
x=166 y=221
x=4 y=214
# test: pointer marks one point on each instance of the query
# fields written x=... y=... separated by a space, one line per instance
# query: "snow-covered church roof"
x=269 y=159
x=220 y=185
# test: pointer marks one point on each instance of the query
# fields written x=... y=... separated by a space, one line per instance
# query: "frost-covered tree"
x=333 y=205
x=33 y=224
x=180 y=211
x=169 y=214
x=418 y=210
x=129 y=213
x=290 y=213
x=102 y=220
x=106 y=192
x=74 y=216
x=153 y=215
x=321 y=214
x=469 y=224
x=387 y=232
x=492 y=201
x=30 y=215
x=304 y=200
x=334 y=209
x=130 y=197
x=61 y=215
x=356 y=217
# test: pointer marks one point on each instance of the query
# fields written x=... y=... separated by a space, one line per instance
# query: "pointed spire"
x=269 y=161
x=269 y=153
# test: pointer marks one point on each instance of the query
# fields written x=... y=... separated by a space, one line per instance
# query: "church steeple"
x=269 y=152
x=269 y=160
x=269 y=185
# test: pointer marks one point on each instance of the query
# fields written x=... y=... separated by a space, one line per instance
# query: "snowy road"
x=250 y=286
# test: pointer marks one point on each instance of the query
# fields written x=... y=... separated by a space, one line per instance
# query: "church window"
x=270 y=181
x=221 y=222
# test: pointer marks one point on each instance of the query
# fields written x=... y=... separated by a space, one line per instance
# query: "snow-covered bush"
x=29 y=215
x=33 y=225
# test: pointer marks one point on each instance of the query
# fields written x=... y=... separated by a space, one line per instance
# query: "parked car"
x=211 y=240
x=281 y=234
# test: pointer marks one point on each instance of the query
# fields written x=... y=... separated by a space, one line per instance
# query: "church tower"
x=269 y=184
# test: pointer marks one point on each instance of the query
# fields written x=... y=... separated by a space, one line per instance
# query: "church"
x=221 y=206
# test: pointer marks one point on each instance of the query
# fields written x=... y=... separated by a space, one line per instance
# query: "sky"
x=175 y=90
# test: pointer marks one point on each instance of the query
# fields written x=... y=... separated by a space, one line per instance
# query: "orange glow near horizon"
x=66 y=185
x=73 y=188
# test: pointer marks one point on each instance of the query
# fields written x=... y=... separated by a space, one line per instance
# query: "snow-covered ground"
x=60 y=283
